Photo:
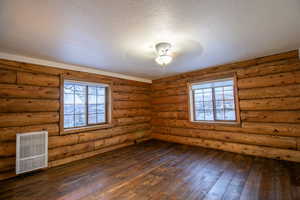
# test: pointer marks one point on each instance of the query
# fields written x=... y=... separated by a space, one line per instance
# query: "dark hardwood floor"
x=158 y=170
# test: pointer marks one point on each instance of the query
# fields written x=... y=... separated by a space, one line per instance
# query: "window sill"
x=85 y=128
x=236 y=123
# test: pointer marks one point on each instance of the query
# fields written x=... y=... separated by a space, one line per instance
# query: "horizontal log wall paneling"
x=25 y=91
x=30 y=101
x=269 y=94
x=268 y=152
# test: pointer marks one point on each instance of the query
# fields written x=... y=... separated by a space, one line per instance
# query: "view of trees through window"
x=214 y=101
x=84 y=104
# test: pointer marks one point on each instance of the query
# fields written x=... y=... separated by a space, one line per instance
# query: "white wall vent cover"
x=32 y=151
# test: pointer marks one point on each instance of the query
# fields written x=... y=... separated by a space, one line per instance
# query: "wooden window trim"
x=90 y=127
x=191 y=106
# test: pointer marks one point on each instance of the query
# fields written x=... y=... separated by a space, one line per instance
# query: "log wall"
x=269 y=96
x=30 y=101
x=268 y=91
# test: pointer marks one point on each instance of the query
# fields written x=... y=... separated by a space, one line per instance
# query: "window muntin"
x=85 y=104
x=213 y=100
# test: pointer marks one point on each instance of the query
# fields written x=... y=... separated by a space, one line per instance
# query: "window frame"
x=191 y=104
x=87 y=127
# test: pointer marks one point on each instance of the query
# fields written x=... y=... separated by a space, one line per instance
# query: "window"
x=213 y=101
x=85 y=104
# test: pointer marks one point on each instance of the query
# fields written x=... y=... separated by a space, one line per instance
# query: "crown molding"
x=48 y=63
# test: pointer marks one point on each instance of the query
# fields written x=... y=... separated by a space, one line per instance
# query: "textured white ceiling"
x=118 y=35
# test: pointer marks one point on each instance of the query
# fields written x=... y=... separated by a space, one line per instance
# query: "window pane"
x=198 y=98
x=228 y=88
x=208 y=95
x=229 y=115
x=100 y=99
x=199 y=106
x=80 y=120
x=208 y=90
x=80 y=98
x=100 y=90
x=209 y=115
x=92 y=99
x=80 y=108
x=219 y=105
x=92 y=90
x=100 y=108
x=80 y=89
x=92 y=108
x=219 y=114
x=68 y=121
x=213 y=84
x=223 y=83
x=92 y=119
x=68 y=99
x=218 y=89
x=69 y=109
x=201 y=86
x=229 y=104
x=199 y=115
x=228 y=94
x=100 y=118
x=219 y=93
x=68 y=88
x=198 y=91
x=208 y=105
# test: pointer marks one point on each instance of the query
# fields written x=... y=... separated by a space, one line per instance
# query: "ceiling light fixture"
x=163 y=53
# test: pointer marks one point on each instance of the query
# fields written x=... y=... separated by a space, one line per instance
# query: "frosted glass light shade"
x=163 y=59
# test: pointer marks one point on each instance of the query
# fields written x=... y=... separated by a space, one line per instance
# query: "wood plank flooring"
x=158 y=170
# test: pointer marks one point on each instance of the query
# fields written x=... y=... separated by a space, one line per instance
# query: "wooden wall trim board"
x=269 y=93
x=268 y=90
x=31 y=99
